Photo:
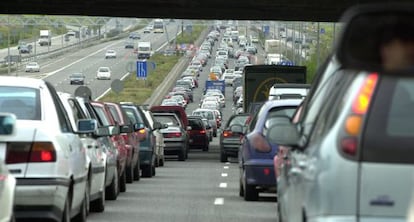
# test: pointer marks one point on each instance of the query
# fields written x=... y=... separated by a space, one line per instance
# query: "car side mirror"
x=126 y=129
x=114 y=130
x=87 y=126
x=283 y=133
x=7 y=124
x=138 y=126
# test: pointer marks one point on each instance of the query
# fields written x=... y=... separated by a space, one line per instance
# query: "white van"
x=288 y=91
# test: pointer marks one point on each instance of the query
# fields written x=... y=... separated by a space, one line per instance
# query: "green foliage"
x=190 y=38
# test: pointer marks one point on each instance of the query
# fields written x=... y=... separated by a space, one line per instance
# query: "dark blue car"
x=256 y=153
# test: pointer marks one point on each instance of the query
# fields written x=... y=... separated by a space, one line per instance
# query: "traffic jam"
x=333 y=150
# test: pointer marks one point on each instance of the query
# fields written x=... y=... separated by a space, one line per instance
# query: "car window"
x=195 y=124
x=390 y=126
x=114 y=114
x=241 y=120
x=169 y=120
x=101 y=113
x=24 y=102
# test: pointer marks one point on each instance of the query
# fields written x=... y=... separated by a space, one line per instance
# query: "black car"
x=129 y=45
x=134 y=35
x=229 y=140
x=77 y=79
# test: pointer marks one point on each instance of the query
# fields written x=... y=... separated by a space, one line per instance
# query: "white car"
x=7 y=180
x=95 y=151
x=228 y=78
x=45 y=154
x=110 y=54
x=32 y=67
x=103 y=73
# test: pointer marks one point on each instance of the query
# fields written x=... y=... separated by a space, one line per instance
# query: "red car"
x=130 y=139
x=198 y=137
x=103 y=112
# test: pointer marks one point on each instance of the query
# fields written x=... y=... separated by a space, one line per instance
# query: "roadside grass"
x=138 y=91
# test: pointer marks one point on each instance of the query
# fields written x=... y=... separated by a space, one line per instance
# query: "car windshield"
x=169 y=120
x=103 y=70
x=22 y=101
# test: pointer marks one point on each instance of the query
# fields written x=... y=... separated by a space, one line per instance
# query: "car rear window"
x=169 y=120
x=389 y=135
x=24 y=102
x=240 y=120
x=195 y=124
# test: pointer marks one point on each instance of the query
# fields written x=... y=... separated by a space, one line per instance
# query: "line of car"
x=68 y=154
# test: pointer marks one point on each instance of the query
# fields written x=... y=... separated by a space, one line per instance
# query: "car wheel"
x=98 y=205
x=66 y=210
x=205 y=148
x=161 y=161
x=181 y=155
x=241 y=190
x=147 y=171
x=250 y=192
x=223 y=157
x=215 y=133
x=157 y=161
x=81 y=217
x=137 y=170
x=129 y=174
x=113 y=189
x=153 y=170
x=122 y=182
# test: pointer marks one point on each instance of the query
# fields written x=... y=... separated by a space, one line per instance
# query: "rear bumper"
x=230 y=147
x=174 y=147
x=199 y=141
x=41 y=198
x=260 y=174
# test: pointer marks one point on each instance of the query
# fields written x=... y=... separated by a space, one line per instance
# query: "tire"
x=129 y=174
x=157 y=161
x=122 y=182
x=147 y=171
x=113 y=189
x=250 y=192
x=223 y=157
x=181 y=155
x=66 y=210
x=137 y=174
x=241 y=190
x=215 y=133
x=161 y=161
x=153 y=170
x=81 y=217
x=205 y=148
x=98 y=205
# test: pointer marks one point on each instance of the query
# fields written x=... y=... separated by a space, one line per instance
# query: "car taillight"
x=124 y=136
x=266 y=171
x=227 y=133
x=30 y=152
x=202 y=131
x=259 y=142
x=354 y=121
x=172 y=135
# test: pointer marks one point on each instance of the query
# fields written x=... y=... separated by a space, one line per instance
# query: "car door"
x=292 y=173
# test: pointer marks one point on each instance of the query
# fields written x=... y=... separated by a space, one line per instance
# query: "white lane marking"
x=79 y=60
x=224 y=174
x=223 y=185
x=219 y=201
x=107 y=91
x=226 y=167
x=227 y=163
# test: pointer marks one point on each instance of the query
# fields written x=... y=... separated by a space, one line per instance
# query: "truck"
x=273 y=46
x=259 y=79
x=216 y=84
x=45 y=38
x=144 y=50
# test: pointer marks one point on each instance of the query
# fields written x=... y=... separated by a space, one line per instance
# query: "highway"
x=200 y=189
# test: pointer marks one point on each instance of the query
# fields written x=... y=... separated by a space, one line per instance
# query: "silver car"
x=95 y=151
x=45 y=154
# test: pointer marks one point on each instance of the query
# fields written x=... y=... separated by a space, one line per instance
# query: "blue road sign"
x=142 y=69
x=286 y=63
x=322 y=31
x=266 y=29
